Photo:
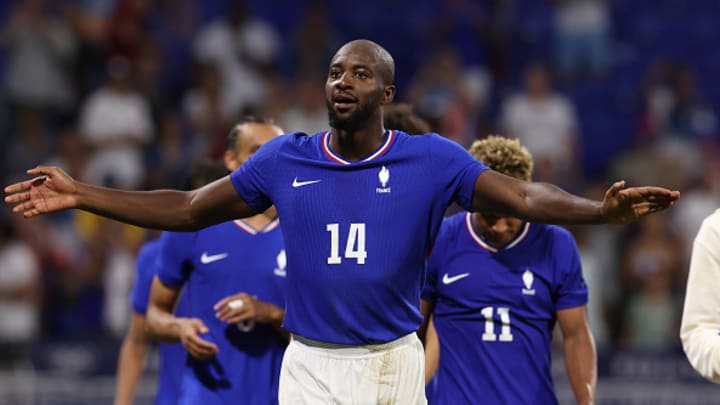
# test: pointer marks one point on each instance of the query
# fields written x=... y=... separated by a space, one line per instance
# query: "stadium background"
x=635 y=83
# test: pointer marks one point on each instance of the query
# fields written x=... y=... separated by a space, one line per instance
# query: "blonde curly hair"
x=504 y=155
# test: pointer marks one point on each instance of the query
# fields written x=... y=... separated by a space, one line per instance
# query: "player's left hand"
x=622 y=205
x=252 y=309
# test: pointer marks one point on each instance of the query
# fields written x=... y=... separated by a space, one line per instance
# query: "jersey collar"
x=337 y=159
x=252 y=231
x=519 y=238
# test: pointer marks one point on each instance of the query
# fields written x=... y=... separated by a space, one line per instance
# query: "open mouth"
x=343 y=102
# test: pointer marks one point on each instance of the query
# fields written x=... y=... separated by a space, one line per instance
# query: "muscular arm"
x=546 y=203
x=700 y=320
x=580 y=355
x=54 y=190
x=131 y=361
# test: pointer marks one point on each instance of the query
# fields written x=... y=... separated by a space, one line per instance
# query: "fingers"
x=17 y=197
x=200 y=348
x=238 y=306
x=18 y=187
x=236 y=311
x=615 y=188
x=194 y=344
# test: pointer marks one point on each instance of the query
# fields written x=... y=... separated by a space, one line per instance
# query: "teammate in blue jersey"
x=135 y=344
x=496 y=287
x=233 y=275
x=360 y=208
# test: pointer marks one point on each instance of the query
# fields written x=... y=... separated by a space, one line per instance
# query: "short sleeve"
x=174 y=263
x=253 y=178
x=461 y=169
x=571 y=291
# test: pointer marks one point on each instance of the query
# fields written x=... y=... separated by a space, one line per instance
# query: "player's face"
x=252 y=136
x=354 y=90
x=496 y=230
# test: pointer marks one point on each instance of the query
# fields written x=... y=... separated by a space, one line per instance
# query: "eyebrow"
x=358 y=66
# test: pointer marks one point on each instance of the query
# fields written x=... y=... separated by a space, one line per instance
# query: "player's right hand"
x=50 y=190
x=190 y=328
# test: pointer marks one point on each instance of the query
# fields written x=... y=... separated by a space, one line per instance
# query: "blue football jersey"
x=172 y=355
x=357 y=233
x=214 y=263
x=495 y=310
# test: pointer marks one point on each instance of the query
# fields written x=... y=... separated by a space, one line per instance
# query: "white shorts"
x=387 y=373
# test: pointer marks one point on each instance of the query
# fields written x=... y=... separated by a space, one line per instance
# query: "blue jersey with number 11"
x=357 y=233
x=495 y=310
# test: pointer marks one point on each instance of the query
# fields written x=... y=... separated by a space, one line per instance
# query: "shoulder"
x=710 y=228
x=556 y=235
x=712 y=221
x=453 y=225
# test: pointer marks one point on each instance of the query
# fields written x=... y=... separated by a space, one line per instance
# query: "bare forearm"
x=130 y=366
x=161 y=209
x=547 y=203
x=163 y=325
x=581 y=365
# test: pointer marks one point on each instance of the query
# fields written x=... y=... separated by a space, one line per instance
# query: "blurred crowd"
x=131 y=93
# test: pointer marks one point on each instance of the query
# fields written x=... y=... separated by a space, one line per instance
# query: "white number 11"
x=354 y=248
x=505 y=331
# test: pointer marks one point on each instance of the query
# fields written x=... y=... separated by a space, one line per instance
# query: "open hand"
x=50 y=190
x=622 y=205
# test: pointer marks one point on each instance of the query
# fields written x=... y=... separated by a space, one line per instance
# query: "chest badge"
x=384 y=178
x=528 y=280
x=281 y=264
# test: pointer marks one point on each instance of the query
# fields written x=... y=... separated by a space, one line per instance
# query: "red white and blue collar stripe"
x=337 y=159
x=519 y=238
x=252 y=231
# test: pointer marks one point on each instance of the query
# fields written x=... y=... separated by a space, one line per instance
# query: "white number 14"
x=354 y=248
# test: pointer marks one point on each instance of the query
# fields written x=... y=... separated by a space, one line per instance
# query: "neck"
x=358 y=144
x=259 y=221
x=482 y=232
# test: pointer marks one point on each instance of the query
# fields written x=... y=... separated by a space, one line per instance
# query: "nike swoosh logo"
x=449 y=280
x=297 y=183
x=206 y=259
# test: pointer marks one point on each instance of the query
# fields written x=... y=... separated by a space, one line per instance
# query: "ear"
x=229 y=158
x=388 y=94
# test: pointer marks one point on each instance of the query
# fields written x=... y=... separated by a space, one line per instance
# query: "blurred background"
x=130 y=93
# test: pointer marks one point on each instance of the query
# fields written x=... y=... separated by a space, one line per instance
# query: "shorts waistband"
x=357 y=349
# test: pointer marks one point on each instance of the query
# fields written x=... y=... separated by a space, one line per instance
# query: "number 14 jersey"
x=357 y=233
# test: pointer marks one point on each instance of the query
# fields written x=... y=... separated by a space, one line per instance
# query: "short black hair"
x=232 y=137
x=401 y=117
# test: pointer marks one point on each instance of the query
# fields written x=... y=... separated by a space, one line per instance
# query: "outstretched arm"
x=580 y=355
x=546 y=203
x=54 y=190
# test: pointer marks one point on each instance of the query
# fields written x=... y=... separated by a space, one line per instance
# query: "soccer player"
x=233 y=338
x=135 y=344
x=496 y=286
x=700 y=319
x=360 y=208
